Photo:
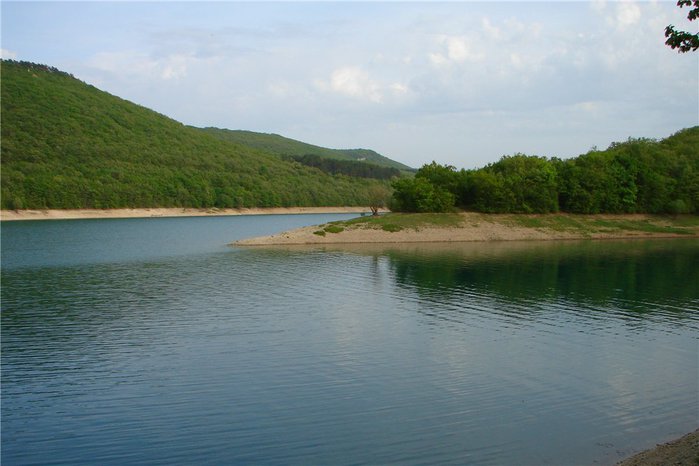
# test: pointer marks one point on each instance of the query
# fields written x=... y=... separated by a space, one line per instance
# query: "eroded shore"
x=71 y=214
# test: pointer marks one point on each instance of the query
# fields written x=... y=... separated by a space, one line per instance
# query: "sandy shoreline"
x=72 y=214
x=473 y=228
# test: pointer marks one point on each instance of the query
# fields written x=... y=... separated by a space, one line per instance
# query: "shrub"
x=334 y=229
x=391 y=227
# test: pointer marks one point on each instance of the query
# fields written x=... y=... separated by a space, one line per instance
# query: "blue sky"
x=462 y=83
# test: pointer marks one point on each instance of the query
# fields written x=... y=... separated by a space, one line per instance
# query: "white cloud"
x=399 y=88
x=598 y=5
x=493 y=32
x=587 y=106
x=438 y=59
x=516 y=28
x=516 y=60
x=454 y=50
x=623 y=15
x=627 y=14
x=7 y=54
x=139 y=64
x=175 y=66
x=128 y=63
x=353 y=81
x=279 y=88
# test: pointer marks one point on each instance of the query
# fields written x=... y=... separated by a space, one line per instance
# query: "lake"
x=150 y=341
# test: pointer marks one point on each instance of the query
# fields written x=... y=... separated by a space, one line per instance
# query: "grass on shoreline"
x=393 y=222
x=585 y=225
x=590 y=224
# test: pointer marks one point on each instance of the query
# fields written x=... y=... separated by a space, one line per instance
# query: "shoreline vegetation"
x=473 y=227
x=75 y=214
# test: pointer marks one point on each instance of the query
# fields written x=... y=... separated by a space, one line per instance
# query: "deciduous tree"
x=684 y=41
x=378 y=197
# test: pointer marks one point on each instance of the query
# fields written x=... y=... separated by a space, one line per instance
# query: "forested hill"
x=635 y=176
x=66 y=144
x=291 y=148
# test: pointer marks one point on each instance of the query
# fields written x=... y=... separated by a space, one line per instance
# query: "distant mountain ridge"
x=284 y=146
x=66 y=145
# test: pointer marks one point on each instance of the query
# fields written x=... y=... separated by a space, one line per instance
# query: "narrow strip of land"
x=71 y=214
x=468 y=226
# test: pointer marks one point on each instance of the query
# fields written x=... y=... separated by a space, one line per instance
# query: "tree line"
x=66 y=144
x=286 y=147
x=637 y=176
x=346 y=167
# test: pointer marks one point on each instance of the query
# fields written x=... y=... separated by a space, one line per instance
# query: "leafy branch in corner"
x=682 y=40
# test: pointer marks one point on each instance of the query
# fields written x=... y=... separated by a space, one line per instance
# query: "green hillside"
x=282 y=146
x=66 y=144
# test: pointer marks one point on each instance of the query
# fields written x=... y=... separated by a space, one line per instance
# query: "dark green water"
x=152 y=342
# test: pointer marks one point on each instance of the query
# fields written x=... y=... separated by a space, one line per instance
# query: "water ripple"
x=351 y=357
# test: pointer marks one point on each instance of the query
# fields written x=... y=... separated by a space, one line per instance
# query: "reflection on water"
x=605 y=275
x=613 y=275
x=498 y=353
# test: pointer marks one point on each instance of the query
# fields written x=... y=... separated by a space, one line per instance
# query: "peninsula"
x=470 y=226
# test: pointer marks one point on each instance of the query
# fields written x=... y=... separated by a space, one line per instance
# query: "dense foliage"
x=66 y=144
x=347 y=167
x=286 y=147
x=637 y=176
x=362 y=163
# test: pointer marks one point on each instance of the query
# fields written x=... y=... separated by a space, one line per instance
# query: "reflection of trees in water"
x=638 y=276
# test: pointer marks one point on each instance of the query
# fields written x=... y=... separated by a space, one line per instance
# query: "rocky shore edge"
x=681 y=452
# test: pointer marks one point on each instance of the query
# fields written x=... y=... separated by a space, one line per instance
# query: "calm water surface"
x=149 y=341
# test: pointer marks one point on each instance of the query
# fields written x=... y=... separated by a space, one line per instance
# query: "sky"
x=462 y=83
